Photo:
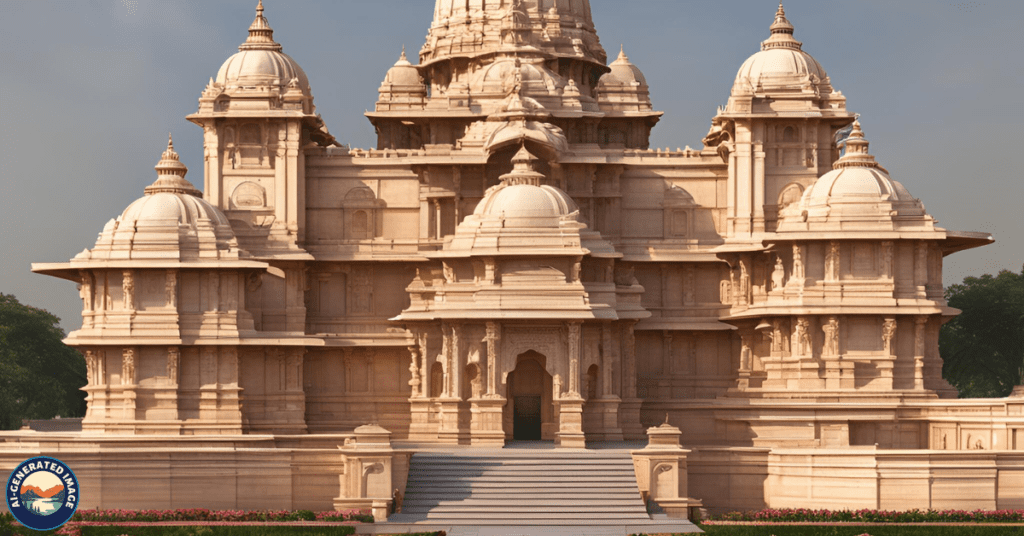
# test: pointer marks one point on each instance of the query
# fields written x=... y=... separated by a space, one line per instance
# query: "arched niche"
x=361 y=211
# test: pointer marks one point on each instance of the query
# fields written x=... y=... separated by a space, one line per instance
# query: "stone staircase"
x=526 y=488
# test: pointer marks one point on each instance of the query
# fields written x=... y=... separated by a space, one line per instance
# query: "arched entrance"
x=529 y=414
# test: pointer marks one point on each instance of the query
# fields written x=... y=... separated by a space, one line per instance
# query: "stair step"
x=475 y=502
x=537 y=516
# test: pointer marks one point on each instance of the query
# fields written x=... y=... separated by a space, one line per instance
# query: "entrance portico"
x=511 y=314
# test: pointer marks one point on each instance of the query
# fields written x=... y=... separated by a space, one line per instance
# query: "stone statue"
x=172 y=364
x=128 y=287
x=778 y=274
x=888 y=334
x=170 y=289
x=90 y=367
x=886 y=270
x=798 y=263
x=831 y=330
x=746 y=354
x=85 y=290
x=128 y=366
x=802 y=337
x=577 y=268
x=449 y=273
x=832 y=262
x=414 y=370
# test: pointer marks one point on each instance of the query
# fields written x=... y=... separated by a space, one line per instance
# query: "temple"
x=513 y=261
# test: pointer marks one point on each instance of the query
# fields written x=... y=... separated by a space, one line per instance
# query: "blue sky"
x=90 y=89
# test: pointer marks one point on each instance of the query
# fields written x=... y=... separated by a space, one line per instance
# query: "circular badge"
x=42 y=493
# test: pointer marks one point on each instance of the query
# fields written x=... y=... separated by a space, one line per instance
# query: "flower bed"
x=204 y=515
x=798 y=515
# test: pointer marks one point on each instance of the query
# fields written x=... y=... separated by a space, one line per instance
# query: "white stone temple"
x=513 y=261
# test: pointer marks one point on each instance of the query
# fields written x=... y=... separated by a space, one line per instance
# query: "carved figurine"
x=798 y=263
x=888 y=334
x=172 y=364
x=802 y=337
x=778 y=274
x=832 y=262
x=128 y=288
x=831 y=330
x=128 y=366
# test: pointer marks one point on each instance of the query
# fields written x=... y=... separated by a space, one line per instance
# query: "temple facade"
x=513 y=261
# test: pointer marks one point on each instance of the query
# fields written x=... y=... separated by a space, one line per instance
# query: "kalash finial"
x=782 y=32
x=857 y=154
x=523 y=171
x=261 y=35
x=170 y=174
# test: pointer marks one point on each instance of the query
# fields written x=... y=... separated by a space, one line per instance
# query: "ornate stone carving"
x=886 y=260
x=831 y=329
x=744 y=284
x=128 y=366
x=574 y=359
x=493 y=335
x=778 y=274
x=91 y=366
x=689 y=285
x=128 y=289
x=86 y=289
x=798 y=264
x=888 y=334
x=746 y=351
x=802 y=338
x=832 y=262
x=171 y=289
x=414 y=370
x=173 y=359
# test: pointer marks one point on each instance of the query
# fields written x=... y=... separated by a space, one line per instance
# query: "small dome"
x=528 y=201
x=260 y=62
x=403 y=73
x=520 y=196
x=171 y=197
x=171 y=221
x=856 y=190
x=623 y=73
x=781 y=61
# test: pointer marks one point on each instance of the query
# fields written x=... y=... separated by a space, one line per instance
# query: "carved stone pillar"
x=173 y=364
x=129 y=358
x=574 y=358
x=493 y=336
x=171 y=289
x=128 y=289
x=920 y=325
x=629 y=409
x=414 y=370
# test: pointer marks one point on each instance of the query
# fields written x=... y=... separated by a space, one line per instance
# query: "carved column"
x=574 y=359
x=629 y=410
x=173 y=364
x=832 y=262
x=86 y=290
x=493 y=336
x=128 y=363
x=414 y=370
x=920 y=325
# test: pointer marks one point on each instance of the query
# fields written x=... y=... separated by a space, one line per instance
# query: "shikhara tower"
x=512 y=260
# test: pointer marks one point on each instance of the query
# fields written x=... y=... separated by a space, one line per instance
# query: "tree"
x=40 y=376
x=983 y=348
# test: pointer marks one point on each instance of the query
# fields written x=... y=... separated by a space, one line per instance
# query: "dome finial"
x=523 y=171
x=170 y=174
x=857 y=154
x=261 y=35
x=782 y=32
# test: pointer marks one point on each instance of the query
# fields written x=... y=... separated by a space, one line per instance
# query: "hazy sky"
x=90 y=88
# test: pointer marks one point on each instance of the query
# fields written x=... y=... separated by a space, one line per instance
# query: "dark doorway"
x=526 y=420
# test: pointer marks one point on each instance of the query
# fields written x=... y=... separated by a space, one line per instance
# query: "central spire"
x=261 y=35
x=471 y=28
x=782 y=33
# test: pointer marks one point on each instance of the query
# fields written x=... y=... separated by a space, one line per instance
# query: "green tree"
x=983 y=348
x=40 y=376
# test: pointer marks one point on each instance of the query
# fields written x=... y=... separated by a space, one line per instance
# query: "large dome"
x=259 y=62
x=781 y=63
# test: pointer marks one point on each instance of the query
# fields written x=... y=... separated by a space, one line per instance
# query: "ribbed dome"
x=260 y=62
x=781 y=61
x=623 y=73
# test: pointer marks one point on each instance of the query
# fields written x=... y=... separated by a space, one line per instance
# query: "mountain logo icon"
x=42 y=493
